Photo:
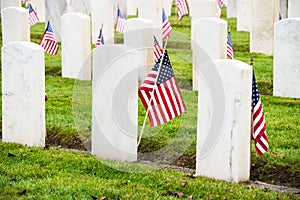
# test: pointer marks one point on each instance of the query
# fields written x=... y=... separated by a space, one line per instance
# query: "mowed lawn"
x=38 y=173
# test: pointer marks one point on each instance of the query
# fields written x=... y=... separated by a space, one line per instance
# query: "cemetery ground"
x=55 y=173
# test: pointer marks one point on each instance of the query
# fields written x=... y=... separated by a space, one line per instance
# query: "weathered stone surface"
x=286 y=58
x=23 y=94
x=76 y=46
x=224 y=115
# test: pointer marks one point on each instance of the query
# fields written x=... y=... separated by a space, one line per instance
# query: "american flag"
x=166 y=27
x=120 y=21
x=221 y=3
x=100 y=39
x=229 y=47
x=182 y=8
x=161 y=93
x=33 y=18
x=157 y=50
x=48 y=41
x=258 y=121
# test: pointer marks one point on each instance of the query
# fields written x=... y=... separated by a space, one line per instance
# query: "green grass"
x=59 y=174
x=37 y=173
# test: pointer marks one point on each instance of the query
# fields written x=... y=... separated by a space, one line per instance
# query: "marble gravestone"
x=81 y=6
x=54 y=10
x=115 y=102
x=209 y=43
x=15 y=25
x=243 y=22
x=232 y=8
x=10 y=3
x=224 y=115
x=167 y=4
x=264 y=15
x=138 y=34
x=131 y=7
x=23 y=94
x=286 y=58
x=152 y=10
x=39 y=6
x=102 y=14
x=203 y=8
x=293 y=8
x=76 y=46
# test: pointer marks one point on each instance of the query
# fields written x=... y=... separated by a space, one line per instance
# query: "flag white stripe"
x=173 y=98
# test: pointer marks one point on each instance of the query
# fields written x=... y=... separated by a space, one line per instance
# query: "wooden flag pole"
x=152 y=94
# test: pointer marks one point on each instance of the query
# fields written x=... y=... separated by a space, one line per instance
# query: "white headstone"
x=152 y=10
x=76 y=46
x=203 y=8
x=39 y=6
x=102 y=14
x=224 y=115
x=115 y=83
x=167 y=4
x=15 y=24
x=209 y=43
x=263 y=14
x=131 y=7
x=283 y=8
x=138 y=34
x=54 y=10
x=82 y=6
x=23 y=94
x=286 y=58
x=10 y=3
x=243 y=22
x=293 y=8
x=232 y=8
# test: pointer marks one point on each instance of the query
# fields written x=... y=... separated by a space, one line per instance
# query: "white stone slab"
x=232 y=8
x=39 y=6
x=114 y=130
x=209 y=43
x=10 y=3
x=243 y=22
x=76 y=46
x=293 y=8
x=203 y=8
x=167 y=4
x=131 y=7
x=283 y=9
x=264 y=15
x=15 y=25
x=224 y=115
x=54 y=10
x=152 y=10
x=102 y=14
x=286 y=58
x=82 y=6
x=23 y=94
x=138 y=34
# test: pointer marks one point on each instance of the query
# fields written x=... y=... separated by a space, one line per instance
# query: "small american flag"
x=100 y=39
x=229 y=47
x=120 y=22
x=33 y=18
x=258 y=121
x=221 y=3
x=48 y=41
x=166 y=27
x=157 y=50
x=182 y=8
x=161 y=93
